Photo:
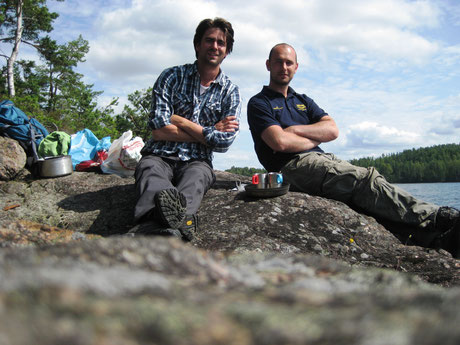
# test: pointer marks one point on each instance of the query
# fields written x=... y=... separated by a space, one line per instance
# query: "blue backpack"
x=16 y=125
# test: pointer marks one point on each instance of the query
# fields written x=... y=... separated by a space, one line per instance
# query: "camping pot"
x=55 y=166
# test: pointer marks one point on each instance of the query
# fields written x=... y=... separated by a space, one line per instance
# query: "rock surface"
x=12 y=159
x=294 y=269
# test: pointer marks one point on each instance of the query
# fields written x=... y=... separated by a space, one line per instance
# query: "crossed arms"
x=184 y=130
x=299 y=138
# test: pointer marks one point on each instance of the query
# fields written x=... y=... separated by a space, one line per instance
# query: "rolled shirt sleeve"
x=221 y=141
x=162 y=108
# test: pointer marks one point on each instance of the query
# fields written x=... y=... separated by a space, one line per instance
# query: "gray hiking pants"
x=154 y=173
x=325 y=175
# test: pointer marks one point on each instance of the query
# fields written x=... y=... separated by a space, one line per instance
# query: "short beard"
x=213 y=63
x=280 y=83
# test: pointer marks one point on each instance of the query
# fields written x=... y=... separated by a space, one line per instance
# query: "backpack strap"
x=33 y=144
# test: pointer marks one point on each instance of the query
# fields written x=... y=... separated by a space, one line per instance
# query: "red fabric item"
x=93 y=164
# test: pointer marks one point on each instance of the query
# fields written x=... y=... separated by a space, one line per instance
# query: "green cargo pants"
x=323 y=174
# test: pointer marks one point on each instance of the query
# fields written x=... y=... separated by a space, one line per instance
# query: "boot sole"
x=171 y=205
x=189 y=227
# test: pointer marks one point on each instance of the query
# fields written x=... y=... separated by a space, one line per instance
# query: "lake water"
x=442 y=194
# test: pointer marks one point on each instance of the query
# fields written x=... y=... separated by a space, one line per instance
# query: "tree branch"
x=36 y=46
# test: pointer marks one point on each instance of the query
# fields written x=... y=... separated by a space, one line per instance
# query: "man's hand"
x=229 y=124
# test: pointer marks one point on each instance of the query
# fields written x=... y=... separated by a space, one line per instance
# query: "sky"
x=387 y=71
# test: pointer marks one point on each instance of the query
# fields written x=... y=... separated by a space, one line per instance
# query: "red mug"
x=259 y=180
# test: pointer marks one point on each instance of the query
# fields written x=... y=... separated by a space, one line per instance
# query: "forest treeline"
x=245 y=171
x=439 y=163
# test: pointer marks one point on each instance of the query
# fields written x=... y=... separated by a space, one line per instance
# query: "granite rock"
x=294 y=269
x=12 y=159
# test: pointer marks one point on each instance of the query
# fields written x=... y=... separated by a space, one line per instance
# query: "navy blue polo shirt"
x=269 y=108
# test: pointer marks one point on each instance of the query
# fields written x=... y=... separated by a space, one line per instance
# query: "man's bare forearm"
x=191 y=128
x=172 y=133
x=296 y=143
x=323 y=131
x=280 y=140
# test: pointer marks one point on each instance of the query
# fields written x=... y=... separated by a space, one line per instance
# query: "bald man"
x=287 y=129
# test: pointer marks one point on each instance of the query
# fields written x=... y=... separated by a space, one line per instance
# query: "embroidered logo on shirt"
x=277 y=108
x=301 y=107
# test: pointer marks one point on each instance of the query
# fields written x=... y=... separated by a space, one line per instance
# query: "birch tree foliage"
x=22 y=21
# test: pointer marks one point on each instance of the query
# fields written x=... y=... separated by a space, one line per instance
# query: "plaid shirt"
x=177 y=91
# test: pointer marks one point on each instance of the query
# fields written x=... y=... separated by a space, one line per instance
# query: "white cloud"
x=374 y=134
x=147 y=36
x=448 y=60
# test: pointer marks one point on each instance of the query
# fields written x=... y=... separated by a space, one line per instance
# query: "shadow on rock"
x=109 y=211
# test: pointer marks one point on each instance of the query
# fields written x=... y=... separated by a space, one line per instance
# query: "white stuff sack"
x=123 y=155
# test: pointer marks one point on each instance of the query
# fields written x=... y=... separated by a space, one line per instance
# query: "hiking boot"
x=153 y=228
x=170 y=206
x=189 y=227
x=446 y=218
x=448 y=223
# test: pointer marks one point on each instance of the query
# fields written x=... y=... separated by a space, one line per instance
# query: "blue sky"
x=388 y=71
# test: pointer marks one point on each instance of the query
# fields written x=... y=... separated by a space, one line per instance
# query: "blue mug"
x=275 y=180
